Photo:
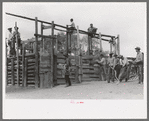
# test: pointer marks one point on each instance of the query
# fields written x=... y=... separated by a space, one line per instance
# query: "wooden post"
x=52 y=53
x=12 y=72
x=67 y=40
x=78 y=42
x=110 y=47
x=36 y=54
x=88 y=45
x=115 y=46
x=18 y=66
x=100 y=41
x=23 y=64
x=6 y=64
x=55 y=62
x=25 y=72
x=118 y=44
x=42 y=37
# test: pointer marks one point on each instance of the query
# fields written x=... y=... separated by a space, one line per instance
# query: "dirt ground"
x=84 y=90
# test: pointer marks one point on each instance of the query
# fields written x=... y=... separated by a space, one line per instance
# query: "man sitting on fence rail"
x=92 y=31
x=72 y=26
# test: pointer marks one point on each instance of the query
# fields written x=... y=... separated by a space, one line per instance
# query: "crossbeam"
x=44 y=36
x=80 y=31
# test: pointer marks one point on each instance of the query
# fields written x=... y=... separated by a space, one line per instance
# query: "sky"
x=126 y=19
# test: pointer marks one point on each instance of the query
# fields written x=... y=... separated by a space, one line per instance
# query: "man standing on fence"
x=92 y=31
x=139 y=63
x=17 y=33
x=102 y=64
x=110 y=75
x=9 y=42
x=123 y=72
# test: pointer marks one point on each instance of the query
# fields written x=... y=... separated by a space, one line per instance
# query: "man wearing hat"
x=17 y=33
x=92 y=31
x=67 y=69
x=102 y=64
x=117 y=66
x=9 y=42
x=123 y=73
x=110 y=74
x=72 y=26
x=139 y=62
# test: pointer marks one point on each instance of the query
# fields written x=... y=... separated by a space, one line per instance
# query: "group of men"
x=119 y=67
x=91 y=30
x=11 y=41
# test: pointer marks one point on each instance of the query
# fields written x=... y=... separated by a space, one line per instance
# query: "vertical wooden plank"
x=25 y=72
x=78 y=42
x=6 y=65
x=91 y=45
x=67 y=39
x=36 y=54
x=12 y=72
x=17 y=53
x=42 y=40
x=115 y=47
x=55 y=61
x=100 y=41
x=118 y=44
x=110 y=47
x=88 y=45
x=23 y=63
x=52 y=53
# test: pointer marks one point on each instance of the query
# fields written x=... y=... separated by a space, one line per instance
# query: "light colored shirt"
x=103 y=61
x=111 y=61
x=124 y=62
x=72 y=24
x=90 y=29
x=116 y=61
x=10 y=36
x=139 y=57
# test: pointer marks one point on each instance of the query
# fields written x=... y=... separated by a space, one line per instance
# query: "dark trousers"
x=110 y=74
x=103 y=72
x=123 y=73
x=68 y=82
x=140 y=72
x=117 y=69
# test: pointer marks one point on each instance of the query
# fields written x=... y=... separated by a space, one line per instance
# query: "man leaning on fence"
x=139 y=62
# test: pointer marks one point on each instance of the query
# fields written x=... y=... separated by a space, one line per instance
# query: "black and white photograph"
x=77 y=60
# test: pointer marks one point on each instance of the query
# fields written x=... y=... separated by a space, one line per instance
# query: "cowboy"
x=92 y=31
x=139 y=62
x=117 y=66
x=9 y=42
x=110 y=63
x=72 y=26
x=16 y=32
x=123 y=72
x=67 y=69
x=102 y=63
